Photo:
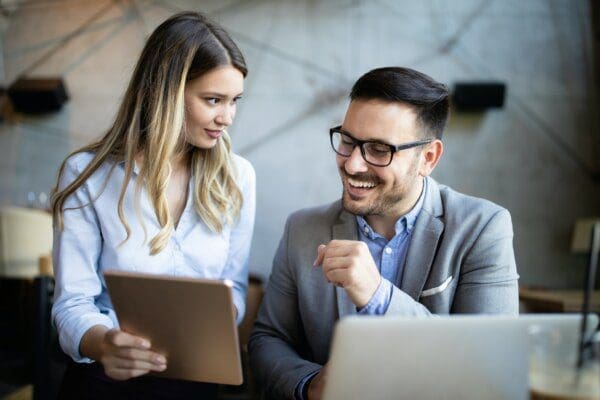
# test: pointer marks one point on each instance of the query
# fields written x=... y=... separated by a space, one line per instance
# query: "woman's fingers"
x=148 y=356
x=127 y=356
x=119 y=338
x=140 y=364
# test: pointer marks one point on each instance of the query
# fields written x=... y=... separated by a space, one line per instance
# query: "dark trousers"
x=89 y=382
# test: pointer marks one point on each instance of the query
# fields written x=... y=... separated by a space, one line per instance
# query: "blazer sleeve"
x=488 y=279
x=277 y=340
x=404 y=305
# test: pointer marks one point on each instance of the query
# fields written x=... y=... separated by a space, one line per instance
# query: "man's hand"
x=348 y=264
x=122 y=355
x=317 y=384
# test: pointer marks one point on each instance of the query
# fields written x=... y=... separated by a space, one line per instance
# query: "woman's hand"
x=122 y=355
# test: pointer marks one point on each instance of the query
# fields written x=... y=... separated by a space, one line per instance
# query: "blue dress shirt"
x=389 y=256
x=92 y=241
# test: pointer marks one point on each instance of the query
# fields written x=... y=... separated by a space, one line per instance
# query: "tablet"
x=191 y=321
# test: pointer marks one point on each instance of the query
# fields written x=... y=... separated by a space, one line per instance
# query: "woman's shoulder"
x=243 y=167
x=79 y=161
x=241 y=163
x=244 y=173
x=76 y=163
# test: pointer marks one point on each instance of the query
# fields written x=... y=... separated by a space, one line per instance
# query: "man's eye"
x=378 y=149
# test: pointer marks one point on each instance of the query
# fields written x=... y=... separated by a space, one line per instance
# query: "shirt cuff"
x=303 y=383
x=380 y=301
x=70 y=342
x=240 y=305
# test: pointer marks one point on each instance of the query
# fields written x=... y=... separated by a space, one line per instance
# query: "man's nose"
x=355 y=162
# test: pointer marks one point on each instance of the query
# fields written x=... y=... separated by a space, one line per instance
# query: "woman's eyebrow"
x=217 y=94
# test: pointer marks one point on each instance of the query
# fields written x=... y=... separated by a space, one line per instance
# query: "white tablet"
x=191 y=321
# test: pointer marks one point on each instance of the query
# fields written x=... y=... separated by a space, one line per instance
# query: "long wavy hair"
x=150 y=122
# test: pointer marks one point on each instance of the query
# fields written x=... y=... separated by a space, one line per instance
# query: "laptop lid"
x=190 y=321
x=447 y=357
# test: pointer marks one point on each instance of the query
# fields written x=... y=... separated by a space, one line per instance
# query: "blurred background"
x=538 y=154
x=535 y=156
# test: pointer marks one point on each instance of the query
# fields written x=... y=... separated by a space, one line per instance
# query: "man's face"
x=382 y=191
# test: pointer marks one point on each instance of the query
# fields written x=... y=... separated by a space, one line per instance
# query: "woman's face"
x=210 y=105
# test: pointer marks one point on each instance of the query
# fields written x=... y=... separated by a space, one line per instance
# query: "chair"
x=25 y=235
x=49 y=361
x=254 y=297
x=247 y=390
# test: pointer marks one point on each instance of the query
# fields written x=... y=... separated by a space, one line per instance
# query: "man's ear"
x=430 y=156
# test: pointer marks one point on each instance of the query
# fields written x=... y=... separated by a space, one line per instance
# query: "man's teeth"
x=360 y=184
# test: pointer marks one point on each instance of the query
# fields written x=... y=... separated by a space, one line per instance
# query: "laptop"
x=191 y=321
x=446 y=357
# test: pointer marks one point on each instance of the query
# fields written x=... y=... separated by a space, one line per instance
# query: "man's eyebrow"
x=379 y=141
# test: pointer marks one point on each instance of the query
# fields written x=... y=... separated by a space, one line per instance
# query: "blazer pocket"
x=437 y=289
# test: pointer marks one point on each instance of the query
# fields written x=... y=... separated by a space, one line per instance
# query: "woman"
x=162 y=193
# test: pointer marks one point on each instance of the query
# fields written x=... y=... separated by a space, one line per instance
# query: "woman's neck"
x=180 y=163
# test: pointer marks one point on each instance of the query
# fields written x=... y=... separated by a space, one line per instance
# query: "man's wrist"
x=304 y=385
x=380 y=300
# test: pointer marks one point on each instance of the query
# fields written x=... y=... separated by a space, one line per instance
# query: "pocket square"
x=438 y=289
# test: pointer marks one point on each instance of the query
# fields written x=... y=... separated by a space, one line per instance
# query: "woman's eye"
x=212 y=100
x=236 y=99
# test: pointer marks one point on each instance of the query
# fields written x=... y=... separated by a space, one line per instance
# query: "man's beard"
x=383 y=203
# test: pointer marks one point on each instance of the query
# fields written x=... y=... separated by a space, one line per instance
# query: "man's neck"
x=385 y=225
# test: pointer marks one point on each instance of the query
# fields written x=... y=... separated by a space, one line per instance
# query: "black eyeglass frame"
x=361 y=143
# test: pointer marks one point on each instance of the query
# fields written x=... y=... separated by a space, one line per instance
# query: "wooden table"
x=548 y=300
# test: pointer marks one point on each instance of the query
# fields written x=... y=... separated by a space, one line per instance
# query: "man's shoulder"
x=462 y=206
x=465 y=213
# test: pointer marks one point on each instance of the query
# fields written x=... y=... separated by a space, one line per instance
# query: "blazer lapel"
x=345 y=229
x=423 y=245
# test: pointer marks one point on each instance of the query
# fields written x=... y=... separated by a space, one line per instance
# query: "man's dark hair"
x=429 y=98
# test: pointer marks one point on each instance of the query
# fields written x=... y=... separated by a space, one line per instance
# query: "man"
x=398 y=243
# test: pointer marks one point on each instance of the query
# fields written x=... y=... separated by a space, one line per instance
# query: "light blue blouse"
x=91 y=243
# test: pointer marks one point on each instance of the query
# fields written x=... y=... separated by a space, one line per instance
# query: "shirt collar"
x=135 y=170
x=405 y=223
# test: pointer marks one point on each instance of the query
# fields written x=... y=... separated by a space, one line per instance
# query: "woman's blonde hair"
x=150 y=122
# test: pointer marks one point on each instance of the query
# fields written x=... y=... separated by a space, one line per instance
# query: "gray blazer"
x=460 y=260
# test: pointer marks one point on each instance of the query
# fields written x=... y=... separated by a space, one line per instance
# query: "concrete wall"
x=533 y=156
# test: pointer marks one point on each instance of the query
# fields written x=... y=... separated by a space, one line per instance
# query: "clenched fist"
x=348 y=264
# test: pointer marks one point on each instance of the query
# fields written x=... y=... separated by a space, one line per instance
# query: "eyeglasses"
x=375 y=153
